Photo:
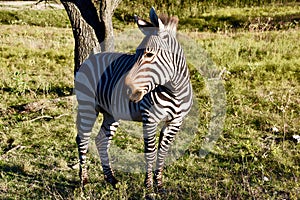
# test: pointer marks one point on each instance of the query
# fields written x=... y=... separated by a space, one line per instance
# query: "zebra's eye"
x=148 y=55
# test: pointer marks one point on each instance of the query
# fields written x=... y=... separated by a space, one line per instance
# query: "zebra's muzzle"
x=134 y=92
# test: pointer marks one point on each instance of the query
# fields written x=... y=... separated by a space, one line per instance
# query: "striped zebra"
x=149 y=86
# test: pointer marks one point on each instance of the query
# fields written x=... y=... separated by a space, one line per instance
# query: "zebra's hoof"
x=83 y=174
x=112 y=180
x=148 y=182
x=150 y=196
x=84 y=181
x=160 y=190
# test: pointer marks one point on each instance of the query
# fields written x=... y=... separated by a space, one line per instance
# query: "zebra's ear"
x=155 y=19
x=146 y=27
x=161 y=25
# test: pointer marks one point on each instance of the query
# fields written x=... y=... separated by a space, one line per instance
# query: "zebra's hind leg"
x=103 y=139
x=86 y=117
x=166 y=138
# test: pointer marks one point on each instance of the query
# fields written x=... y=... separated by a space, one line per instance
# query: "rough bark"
x=92 y=30
x=107 y=8
x=83 y=18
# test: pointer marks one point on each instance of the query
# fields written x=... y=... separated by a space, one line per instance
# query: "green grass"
x=204 y=16
x=28 y=50
x=197 y=18
x=267 y=17
x=48 y=17
x=256 y=157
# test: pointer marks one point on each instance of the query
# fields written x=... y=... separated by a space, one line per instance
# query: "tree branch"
x=47 y=117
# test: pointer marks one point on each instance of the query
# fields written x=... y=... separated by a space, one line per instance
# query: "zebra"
x=150 y=86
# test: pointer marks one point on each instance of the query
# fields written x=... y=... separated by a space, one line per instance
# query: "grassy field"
x=256 y=157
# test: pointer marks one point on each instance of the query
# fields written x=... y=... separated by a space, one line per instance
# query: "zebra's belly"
x=129 y=112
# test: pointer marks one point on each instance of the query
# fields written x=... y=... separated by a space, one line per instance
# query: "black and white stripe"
x=150 y=86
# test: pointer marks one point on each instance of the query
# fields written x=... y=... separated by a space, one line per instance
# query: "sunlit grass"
x=25 y=52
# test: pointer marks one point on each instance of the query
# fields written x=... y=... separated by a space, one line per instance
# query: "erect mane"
x=170 y=23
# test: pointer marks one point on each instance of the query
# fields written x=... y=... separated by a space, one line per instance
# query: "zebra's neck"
x=180 y=83
x=181 y=78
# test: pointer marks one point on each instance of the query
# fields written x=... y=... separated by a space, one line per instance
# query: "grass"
x=26 y=51
x=210 y=18
x=52 y=17
x=202 y=16
x=256 y=157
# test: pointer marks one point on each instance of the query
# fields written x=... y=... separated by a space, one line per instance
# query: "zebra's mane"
x=170 y=23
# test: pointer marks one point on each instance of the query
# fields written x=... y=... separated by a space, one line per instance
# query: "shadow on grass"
x=59 y=91
x=216 y=23
x=35 y=185
x=25 y=185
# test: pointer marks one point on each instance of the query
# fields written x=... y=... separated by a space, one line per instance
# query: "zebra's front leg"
x=103 y=140
x=167 y=136
x=149 y=130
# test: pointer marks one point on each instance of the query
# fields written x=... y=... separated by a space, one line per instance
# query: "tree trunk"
x=92 y=31
x=107 y=8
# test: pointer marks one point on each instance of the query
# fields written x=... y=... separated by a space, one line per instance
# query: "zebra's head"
x=157 y=57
